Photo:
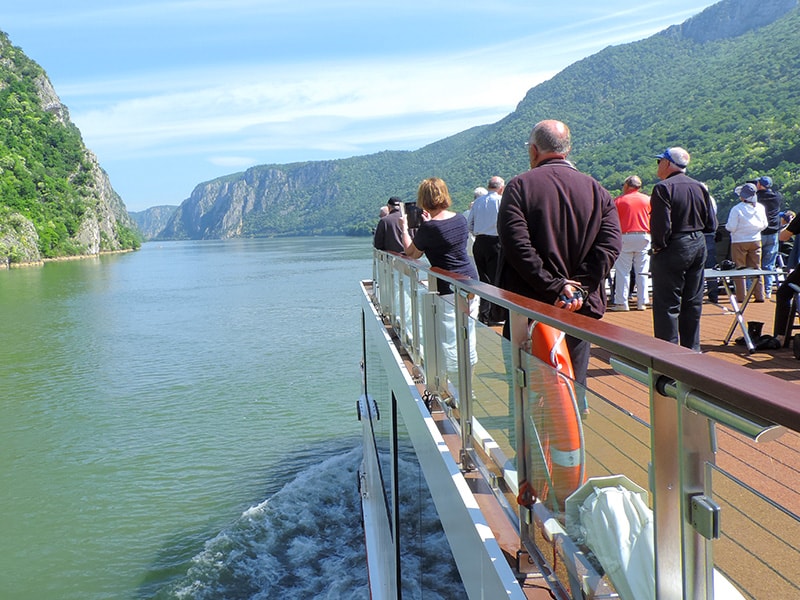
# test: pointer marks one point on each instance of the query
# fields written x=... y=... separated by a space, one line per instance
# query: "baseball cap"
x=676 y=155
x=394 y=201
x=765 y=181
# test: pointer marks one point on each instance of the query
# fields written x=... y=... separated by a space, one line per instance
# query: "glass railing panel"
x=492 y=402
x=379 y=410
x=759 y=546
x=569 y=445
x=418 y=309
x=428 y=569
x=406 y=307
x=553 y=431
x=446 y=347
x=617 y=443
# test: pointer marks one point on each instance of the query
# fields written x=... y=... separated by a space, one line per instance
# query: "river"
x=179 y=422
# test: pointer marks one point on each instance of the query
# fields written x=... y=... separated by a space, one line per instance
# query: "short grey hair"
x=633 y=181
x=495 y=183
x=479 y=191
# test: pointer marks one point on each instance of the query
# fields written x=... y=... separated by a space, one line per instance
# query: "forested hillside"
x=54 y=198
x=724 y=85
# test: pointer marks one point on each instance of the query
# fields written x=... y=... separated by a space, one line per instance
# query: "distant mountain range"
x=725 y=85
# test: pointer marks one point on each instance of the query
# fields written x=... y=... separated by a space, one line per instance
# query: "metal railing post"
x=432 y=353
x=519 y=339
x=682 y=443
x=464 y=375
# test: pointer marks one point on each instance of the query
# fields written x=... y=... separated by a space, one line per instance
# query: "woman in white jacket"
x=745 y=222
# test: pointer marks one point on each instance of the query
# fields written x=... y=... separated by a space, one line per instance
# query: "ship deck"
x=772 y=469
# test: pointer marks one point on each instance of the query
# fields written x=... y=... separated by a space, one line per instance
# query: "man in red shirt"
x=634 y=220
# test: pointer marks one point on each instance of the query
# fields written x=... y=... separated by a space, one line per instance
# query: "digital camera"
x=413 y=215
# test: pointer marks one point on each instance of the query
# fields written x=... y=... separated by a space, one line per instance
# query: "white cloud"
x=224 y=84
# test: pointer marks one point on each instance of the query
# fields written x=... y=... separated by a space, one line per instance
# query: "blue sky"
x=169 y=94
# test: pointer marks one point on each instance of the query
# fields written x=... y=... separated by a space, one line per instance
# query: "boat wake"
x=307 y=541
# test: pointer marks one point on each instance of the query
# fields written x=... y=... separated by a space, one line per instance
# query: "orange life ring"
x=556 y=419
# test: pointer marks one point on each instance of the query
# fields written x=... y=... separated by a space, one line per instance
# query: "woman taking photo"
x=442 y=237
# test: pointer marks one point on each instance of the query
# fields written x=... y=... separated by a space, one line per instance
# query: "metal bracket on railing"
x=521 y=378
x=757 y=429
x=704 y=514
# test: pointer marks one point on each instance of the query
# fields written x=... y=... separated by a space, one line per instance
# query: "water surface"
x=163 y=404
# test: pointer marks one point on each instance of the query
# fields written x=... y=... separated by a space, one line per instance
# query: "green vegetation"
x=733 y=102
x=45 y=172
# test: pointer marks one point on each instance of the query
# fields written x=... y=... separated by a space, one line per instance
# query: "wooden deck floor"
x=758 y=541
x=772 y=468
x=759 y=547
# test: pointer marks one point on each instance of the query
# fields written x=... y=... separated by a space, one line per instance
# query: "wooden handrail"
x=744 y=390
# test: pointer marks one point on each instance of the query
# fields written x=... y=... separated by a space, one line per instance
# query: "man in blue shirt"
x=482 y=223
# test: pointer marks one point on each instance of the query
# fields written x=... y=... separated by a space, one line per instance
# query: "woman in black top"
x=442 y=238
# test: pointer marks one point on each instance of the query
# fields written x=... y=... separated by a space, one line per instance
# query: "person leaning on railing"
x=560 y=235
x=442 y=238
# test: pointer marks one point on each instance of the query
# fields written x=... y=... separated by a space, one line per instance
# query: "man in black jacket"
x=680 y=213
x=389 y=233
x=559 y=232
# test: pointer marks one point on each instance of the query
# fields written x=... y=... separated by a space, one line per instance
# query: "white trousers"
x=448 y=332
x=634 y=254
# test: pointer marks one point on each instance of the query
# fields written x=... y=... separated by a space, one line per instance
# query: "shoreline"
x=7 y=266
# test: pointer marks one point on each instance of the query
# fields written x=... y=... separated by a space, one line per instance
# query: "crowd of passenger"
x=556 y=235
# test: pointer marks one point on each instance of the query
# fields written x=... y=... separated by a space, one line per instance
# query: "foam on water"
x=307 y=541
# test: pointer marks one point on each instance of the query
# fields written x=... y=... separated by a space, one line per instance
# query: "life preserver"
x=556 y=419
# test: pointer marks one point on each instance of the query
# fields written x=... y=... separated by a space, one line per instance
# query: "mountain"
x=153 y=220
x=723 y=85
x=55 y=200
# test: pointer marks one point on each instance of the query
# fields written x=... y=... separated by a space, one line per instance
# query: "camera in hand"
x=413 y=215
x=576 y=295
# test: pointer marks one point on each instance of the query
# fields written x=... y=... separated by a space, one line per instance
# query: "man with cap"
x=389 y=232
x=680 y=213
x=772 y=201
x=482 y=223
x=634 y=218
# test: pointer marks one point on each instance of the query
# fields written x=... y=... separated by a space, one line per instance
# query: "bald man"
x=559 y=232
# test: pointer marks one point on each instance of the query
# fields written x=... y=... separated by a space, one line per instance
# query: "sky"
x=172 y=93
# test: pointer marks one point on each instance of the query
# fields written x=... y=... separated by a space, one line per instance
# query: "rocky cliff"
x=730 y=18
x=55 y=199
x=263 y=201
x=151 y=222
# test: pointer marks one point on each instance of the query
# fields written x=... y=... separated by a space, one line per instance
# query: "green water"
x=148 y=399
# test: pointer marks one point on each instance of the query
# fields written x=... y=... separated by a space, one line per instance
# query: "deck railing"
x=711 y=530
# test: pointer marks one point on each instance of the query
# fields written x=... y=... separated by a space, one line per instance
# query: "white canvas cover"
x=610 y=515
